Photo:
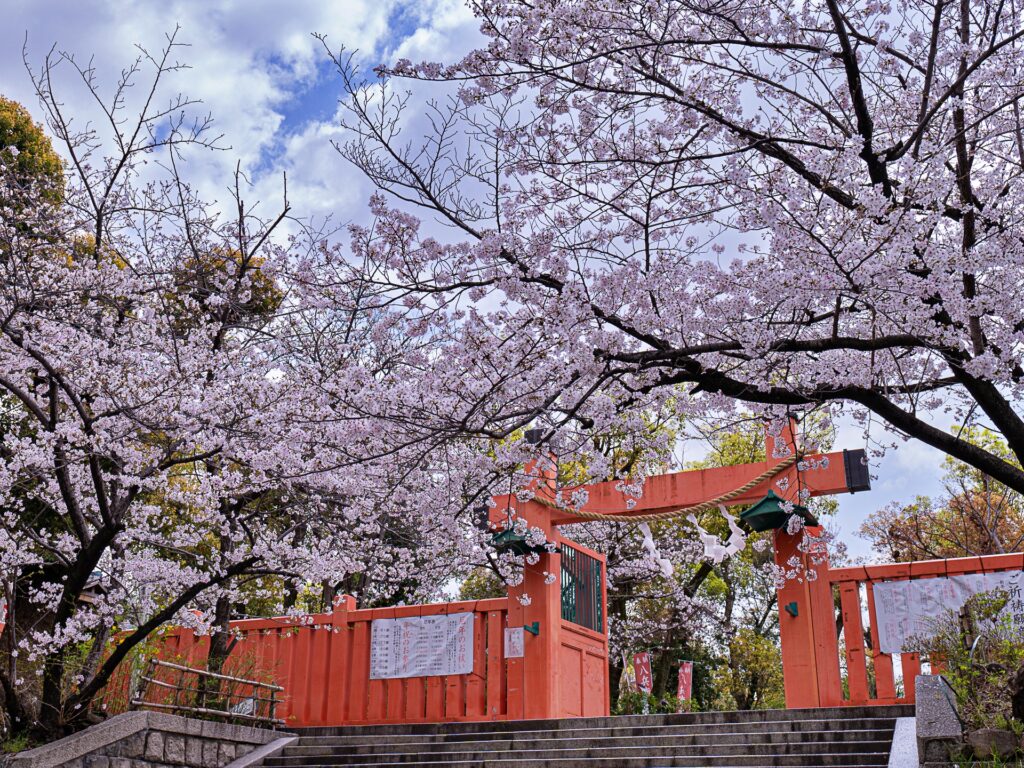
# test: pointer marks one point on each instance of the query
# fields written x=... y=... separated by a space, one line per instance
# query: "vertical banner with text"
x=684 y=687
x=642 y=670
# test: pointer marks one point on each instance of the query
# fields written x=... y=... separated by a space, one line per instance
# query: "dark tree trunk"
x=617 y=598
x=291 y=596
x=663 y=668
x=614 y=677
x=221 y=642
x=221 y=645
x=1017 y=694
x=22 y=617
x=327 y=594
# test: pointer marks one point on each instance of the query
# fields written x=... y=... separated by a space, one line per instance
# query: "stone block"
x=939 y=751
x=174 y=749
x=194 y=752
x=147 y=740
x=903 y=753
x=168 y=723
x=226 y=752
x=154 y=747
x=133 y=746
x=211 y=758
x=992 y=742
x=939 y=728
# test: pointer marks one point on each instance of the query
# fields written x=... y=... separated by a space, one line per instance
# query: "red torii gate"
x=807 y=619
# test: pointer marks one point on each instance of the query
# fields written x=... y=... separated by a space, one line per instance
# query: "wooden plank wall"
x=323 y=663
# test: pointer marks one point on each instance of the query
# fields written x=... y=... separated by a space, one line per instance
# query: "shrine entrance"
x=542 y=651
x=556 y=675
x=844 y=631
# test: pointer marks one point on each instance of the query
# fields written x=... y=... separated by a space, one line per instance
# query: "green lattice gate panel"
x=582 y=593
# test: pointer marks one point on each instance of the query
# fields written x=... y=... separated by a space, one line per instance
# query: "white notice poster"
x=421 y=646
x=384 y=651
x=514 y=643
x=905 y=609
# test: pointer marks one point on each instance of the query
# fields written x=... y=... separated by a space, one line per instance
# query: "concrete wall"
x=149 y=740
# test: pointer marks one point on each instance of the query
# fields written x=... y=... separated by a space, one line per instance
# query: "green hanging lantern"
x=510 y=541
x=768 y=514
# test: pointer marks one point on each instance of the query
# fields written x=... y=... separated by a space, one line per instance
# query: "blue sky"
x=273 y=93
x=255 y=66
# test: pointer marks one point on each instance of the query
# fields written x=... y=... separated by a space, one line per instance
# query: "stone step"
x=847 y=737
x=697 y=718
x=580 y=753
x=862 y=760
x=634 y=730
x=654 y=738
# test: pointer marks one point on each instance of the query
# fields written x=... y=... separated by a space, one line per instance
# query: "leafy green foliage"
x=752 y=678
x=34 y=158
x=632 y=703
x=482 y=584
x=978 y=649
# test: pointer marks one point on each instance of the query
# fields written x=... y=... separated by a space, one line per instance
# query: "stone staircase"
x=839 y=738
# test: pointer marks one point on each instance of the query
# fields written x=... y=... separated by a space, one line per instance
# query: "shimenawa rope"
x=768 y=474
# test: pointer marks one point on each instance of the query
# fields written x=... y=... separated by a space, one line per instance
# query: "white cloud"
x=251 y=63
x=451 y=30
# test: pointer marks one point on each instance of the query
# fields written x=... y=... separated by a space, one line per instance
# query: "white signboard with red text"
x=421 y=646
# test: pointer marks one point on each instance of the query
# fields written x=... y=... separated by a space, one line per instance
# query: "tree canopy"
x=779 y=206
x=186 y=410
x=641 y=215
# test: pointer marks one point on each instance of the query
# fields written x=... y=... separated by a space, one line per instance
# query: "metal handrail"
x=149 y=679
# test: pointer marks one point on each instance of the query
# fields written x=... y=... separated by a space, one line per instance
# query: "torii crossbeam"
x=846 y=472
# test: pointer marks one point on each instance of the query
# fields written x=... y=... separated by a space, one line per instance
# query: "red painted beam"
x=682 y=489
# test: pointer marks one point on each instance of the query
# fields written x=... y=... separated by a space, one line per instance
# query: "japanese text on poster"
x=909 y=609
x=514 y=646
x=642 y=668
x=421 y=646
x=684 y=683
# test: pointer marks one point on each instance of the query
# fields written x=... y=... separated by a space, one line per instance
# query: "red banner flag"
x=642 y=670
x=685 y=688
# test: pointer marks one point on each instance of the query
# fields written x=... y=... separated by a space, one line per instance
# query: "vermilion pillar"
x=533 y=680
x=807 y=626
x=535 y=605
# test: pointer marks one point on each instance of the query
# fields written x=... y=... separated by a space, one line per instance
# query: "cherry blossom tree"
x=783 y=207
x=188 y=405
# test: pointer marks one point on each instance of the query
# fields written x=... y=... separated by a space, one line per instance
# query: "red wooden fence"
x=871 y=674
x=323 y=663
